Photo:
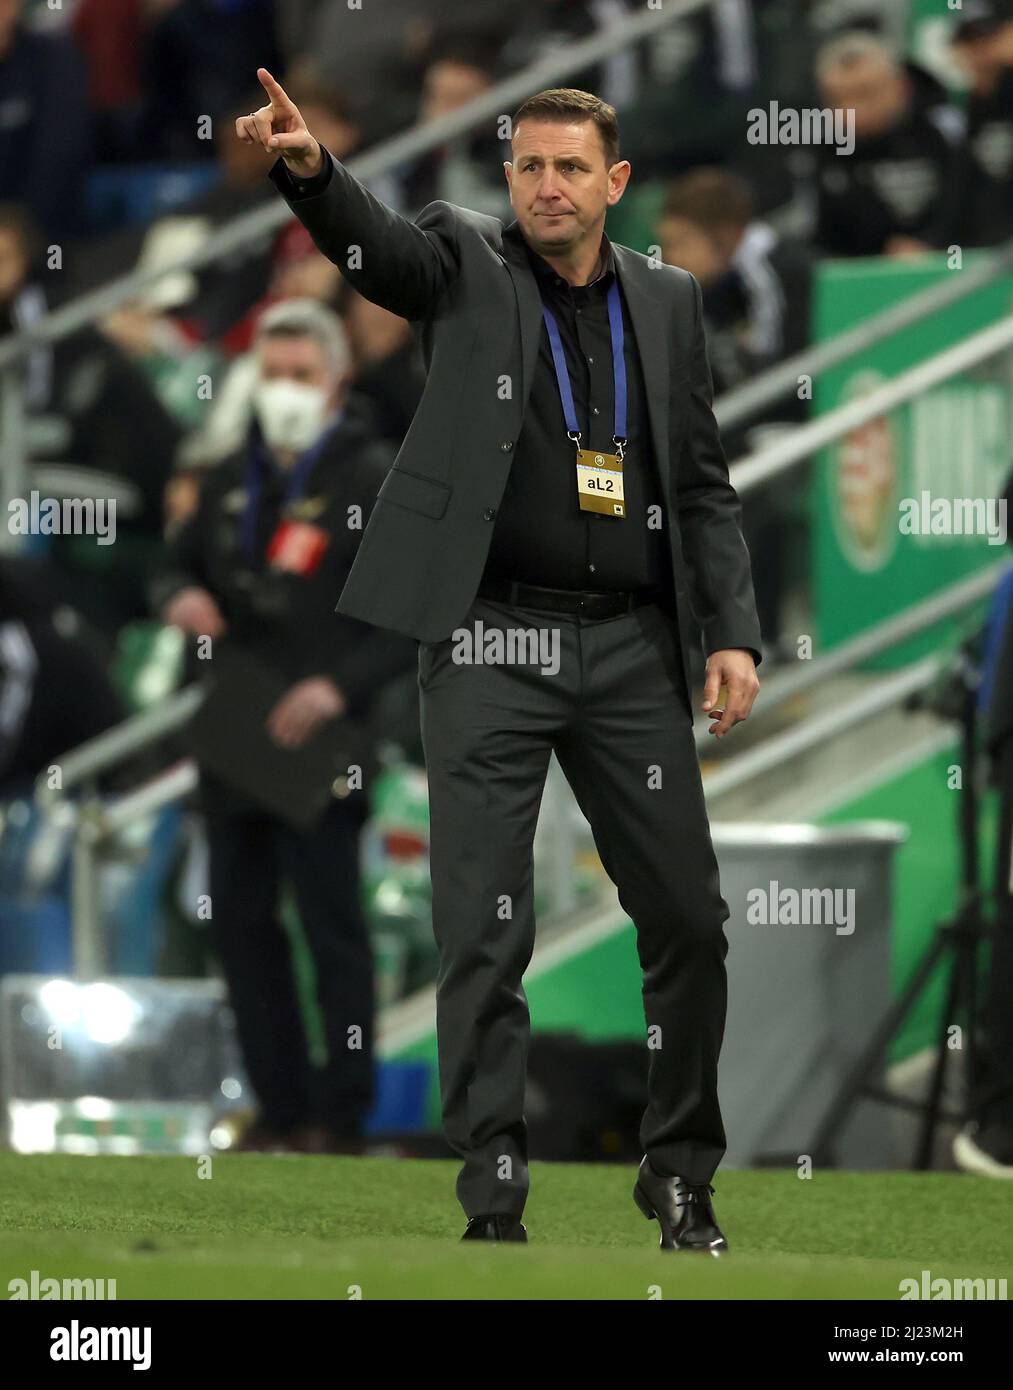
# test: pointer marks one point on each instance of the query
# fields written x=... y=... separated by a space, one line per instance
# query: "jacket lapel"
x=648 y=310
x=529 y=308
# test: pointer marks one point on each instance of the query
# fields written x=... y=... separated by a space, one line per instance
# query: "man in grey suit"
x=559 y=513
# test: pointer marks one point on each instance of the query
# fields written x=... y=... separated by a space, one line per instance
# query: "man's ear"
x=618 y=178
x=508 y=170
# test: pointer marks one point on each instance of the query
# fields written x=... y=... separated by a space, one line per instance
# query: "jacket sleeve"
x=403 y=266
x=710 y=519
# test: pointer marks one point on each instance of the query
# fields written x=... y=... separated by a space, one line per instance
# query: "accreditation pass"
x=600 y=483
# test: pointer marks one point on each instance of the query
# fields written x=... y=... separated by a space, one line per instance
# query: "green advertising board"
x=890 y=520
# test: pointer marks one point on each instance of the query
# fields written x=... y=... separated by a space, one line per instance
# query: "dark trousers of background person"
x=618 y=716
x=998 y=1013
x=251 y=856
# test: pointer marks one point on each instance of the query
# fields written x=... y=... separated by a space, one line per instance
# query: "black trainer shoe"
x=683 y=1211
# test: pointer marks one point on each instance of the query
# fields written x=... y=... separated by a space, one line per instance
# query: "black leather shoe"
x=683 y=1211
x=495 y=1228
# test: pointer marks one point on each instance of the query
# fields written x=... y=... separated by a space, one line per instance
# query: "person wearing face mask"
x=255 y=569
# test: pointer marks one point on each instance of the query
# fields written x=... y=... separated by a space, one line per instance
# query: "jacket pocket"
x=415 y=492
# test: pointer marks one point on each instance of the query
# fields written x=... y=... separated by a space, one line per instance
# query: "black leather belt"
x=588 y=603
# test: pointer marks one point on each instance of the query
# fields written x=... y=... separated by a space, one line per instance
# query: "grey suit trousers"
x=617 y=713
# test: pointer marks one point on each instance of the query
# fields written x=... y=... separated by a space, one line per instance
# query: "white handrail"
x=794 y=445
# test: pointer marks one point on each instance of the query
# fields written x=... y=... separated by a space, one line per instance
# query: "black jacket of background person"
x=987 y=203
x=471 y=296
x=287 y=620
x=45 y=653
x=905 y=182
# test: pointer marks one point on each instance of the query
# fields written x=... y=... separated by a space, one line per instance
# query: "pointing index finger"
x=273 y=89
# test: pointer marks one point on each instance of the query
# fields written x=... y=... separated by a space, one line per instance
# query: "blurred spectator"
x=388 y=366
x=110 y=420
x=110 y=34
x=294 y=267
x=756 y=289
x=695 y=82
x=539 y=27
x=755 y=283
x=235 y=573
x=221 y=301
x=200 y=57
x=897 y=192
x=468 y=170
x=376 y=63
x=147 y=331
x=983 y=46
x=45 y=142
x=43 y=655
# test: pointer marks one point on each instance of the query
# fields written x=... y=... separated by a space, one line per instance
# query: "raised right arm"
x=389 y=260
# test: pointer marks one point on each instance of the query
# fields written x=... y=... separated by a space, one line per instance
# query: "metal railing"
x=742 y=403
x=800 y=442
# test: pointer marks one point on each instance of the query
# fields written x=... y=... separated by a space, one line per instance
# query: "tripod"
x=955 y=942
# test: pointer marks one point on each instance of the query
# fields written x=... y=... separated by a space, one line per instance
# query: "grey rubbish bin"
x=808 y=979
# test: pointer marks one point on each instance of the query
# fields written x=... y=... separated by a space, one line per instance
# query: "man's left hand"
x=303 y=709
x=735 y=669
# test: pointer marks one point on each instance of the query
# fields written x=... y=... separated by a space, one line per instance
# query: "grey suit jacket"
x=472 y=298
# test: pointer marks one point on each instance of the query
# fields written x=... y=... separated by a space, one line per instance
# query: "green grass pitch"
x=337 y=1228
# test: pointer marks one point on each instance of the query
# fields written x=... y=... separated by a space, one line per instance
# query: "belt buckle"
x=592 y=607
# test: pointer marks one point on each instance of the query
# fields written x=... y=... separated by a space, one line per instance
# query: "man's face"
x=878 y=93
x=560 y=185
x=295 y=359
x=13 y=263
x=691 y=247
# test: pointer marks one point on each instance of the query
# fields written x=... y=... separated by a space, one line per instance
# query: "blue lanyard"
x=294 y=489
x=618 y=369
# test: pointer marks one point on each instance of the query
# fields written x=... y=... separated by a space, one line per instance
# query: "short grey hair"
x=308 y=318
x=853 y=48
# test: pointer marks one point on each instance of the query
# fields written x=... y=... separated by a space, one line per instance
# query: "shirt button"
x=591 y=569
x=595 y=410
x=507 y=445
x=489 y=514
x=591 y=360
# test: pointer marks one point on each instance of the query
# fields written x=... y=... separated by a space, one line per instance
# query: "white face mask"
x=290 y=413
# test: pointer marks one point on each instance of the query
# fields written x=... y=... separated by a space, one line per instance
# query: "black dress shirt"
x=541 y=536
